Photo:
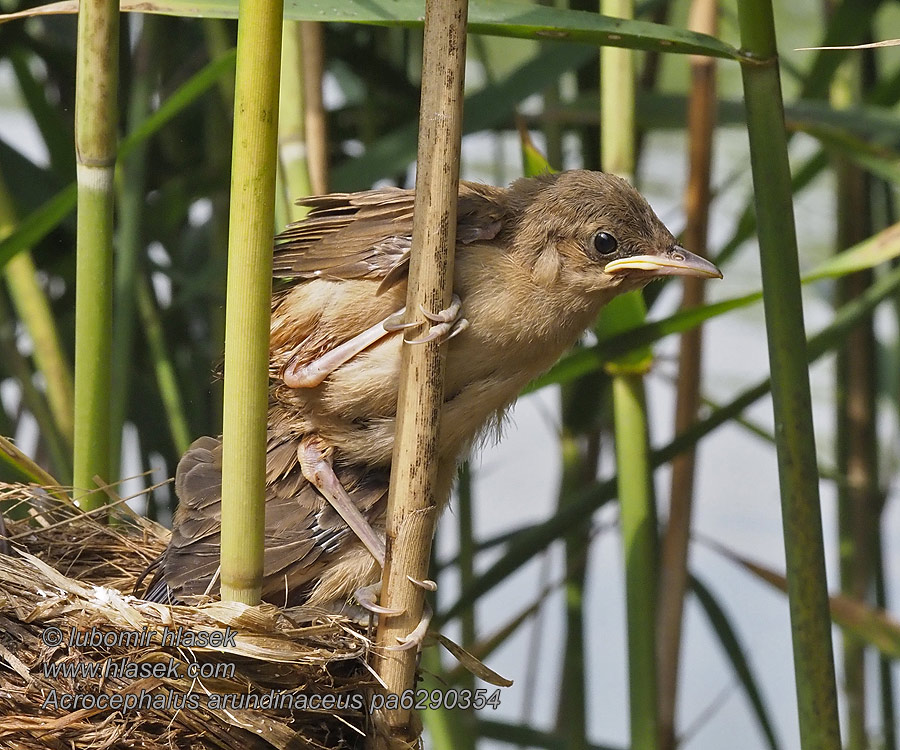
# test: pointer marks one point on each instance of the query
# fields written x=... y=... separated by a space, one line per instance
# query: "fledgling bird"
x=534 y=264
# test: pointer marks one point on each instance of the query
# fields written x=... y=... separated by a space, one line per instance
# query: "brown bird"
x=535 y=262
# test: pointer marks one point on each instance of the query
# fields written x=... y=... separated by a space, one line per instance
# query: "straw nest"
x=83 y=663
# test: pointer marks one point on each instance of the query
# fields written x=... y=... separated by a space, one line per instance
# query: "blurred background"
x=356 y=112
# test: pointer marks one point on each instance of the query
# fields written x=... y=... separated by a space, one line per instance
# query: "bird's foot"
x=367 y=597
x=416 y=638
x=315 y=463
x=447 y=324
x=395 y=322
x=297 y=374
x=425 y=583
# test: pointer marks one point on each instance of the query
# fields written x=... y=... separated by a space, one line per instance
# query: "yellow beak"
x=674 y=262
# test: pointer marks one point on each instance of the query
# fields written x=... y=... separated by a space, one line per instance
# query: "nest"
x=85 y=665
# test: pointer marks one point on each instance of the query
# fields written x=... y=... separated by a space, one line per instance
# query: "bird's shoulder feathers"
x=368 y=235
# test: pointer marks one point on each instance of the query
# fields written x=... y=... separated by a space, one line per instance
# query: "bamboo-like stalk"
x=292 y=147
x=885 y=664
x=313 y=60
x=412 y=509
x=883 y=212
x=798 y=474
x=248 y=296
x=674 y=552
x=131 y=189
x=856 y=444
x=617 y=99
x=635 y=485
x=639 y=541
x=96 y=118
x=580 y=451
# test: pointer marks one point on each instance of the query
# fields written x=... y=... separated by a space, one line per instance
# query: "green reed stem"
x=248 y=296
x=798 y=474
x=96 y=118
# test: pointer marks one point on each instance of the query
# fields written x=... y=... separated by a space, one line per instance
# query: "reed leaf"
x=493 y=17
x=728 y=637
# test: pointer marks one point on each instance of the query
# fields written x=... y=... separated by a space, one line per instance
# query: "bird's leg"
x=447 y=323
x=312 y=373
x=315 y=463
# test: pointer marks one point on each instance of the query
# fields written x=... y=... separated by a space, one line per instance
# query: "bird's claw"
x=447 y=324
x=425 y=583
x=449 y=315
x=416 y=638
x=395 y=322
x=366 y=597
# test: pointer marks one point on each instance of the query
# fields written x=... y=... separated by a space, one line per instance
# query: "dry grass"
x=66 y=570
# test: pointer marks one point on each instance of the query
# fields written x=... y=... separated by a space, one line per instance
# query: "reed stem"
x=249 y=289
x=96 y=118
x=701 y=117
x=798 y=473
x=416 y=483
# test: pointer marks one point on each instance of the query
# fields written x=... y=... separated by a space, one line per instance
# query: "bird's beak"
x=676 y=261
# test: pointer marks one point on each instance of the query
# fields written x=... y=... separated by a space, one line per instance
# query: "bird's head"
x=595 y=232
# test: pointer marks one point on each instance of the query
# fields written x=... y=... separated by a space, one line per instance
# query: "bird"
x=534 y=264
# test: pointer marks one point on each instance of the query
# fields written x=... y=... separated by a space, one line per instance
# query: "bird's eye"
x=605 y=243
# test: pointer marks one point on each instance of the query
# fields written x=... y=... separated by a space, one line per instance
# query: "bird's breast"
x=517 y=329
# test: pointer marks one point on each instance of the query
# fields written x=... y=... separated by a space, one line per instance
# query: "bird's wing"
x=368 y=235
x=302 y=533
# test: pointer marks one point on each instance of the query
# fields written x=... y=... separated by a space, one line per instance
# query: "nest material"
x=63 y=578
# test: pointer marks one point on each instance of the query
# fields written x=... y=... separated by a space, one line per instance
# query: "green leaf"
x=38 y=224
x=728 y=638
x=494 y=17
x=625 y=313
x=881 y=161
x=878 y=249
x=22 y=465
x=526 y=736
x=534 y=163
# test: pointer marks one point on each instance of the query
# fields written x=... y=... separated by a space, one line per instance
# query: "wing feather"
x=301 y=528
x=368 y=235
